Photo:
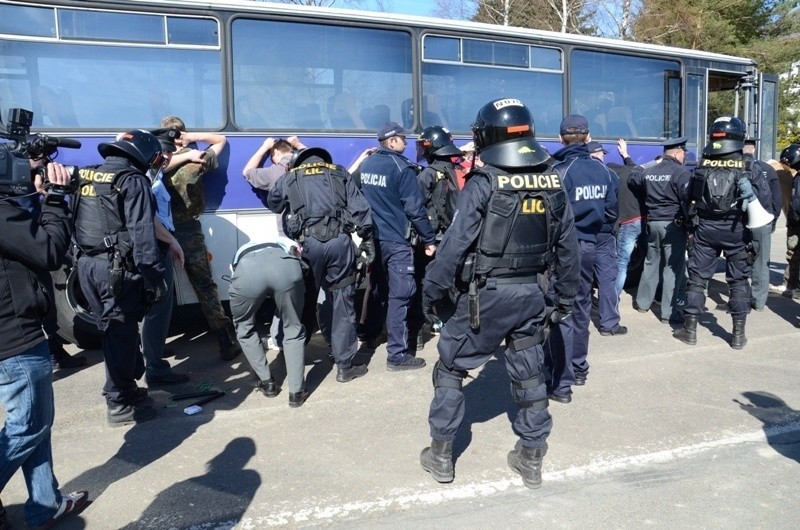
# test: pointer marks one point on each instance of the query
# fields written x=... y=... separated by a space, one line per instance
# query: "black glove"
x=429 y=310
x=367 y=247
x=560 y=313
x=156 y=293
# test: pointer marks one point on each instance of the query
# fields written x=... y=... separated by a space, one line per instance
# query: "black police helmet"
x=791 y=156
x=726 y=136
x=304 y=154
x=436 y=142
x=140 y=147
x=504 y=135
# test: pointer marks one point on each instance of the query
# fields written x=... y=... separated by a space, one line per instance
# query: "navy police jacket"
x=659 y=185
x=591 y=188
x=389 y=183
x=463 y=234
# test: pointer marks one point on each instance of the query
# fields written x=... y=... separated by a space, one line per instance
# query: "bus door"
x=696 y=105
x=767 y=117
x=711 y=94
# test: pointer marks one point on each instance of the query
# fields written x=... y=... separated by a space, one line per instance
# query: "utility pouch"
x=752 y=253
x=467 y=272
x=411 y=235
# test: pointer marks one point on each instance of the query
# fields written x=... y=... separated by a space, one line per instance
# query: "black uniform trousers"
x=711 y=238
x=118 y=318
x=333 y=264
x=516 y=313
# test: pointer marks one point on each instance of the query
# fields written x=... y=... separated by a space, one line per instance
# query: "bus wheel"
x=76 y=323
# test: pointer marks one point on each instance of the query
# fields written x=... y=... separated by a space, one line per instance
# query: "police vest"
x=321 y=224
x=521 y=225
x=98 y=212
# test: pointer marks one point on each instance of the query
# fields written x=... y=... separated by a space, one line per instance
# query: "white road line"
x=421 y=499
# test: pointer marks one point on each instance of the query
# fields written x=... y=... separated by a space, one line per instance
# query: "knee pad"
x=524 y=392
x=443 y=377
x=697 y=286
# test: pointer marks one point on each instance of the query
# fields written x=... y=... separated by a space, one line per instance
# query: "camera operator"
x=119 y=263
x=58 y=354
x=30 y=247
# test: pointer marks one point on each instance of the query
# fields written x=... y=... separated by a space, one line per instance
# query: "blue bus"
x=250 y=70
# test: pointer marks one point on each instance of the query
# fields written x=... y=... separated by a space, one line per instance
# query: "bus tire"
x=76 y=323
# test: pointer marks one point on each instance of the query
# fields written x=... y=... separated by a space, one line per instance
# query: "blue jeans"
x=626 y=242
x=26 y=393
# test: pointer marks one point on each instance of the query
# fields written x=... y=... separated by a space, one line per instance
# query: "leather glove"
x=746 y=192
x=367 y=247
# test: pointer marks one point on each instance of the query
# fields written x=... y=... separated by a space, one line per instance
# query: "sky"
x=406 y=7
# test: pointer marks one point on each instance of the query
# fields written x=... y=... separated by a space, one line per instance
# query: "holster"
x=474 y=306
x=117 y=275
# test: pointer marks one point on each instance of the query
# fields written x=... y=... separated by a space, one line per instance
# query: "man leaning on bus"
x=183 y=179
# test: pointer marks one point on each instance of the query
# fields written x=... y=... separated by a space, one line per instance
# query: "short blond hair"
x=173 y=122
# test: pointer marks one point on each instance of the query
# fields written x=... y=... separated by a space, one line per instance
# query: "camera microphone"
x=68 y=143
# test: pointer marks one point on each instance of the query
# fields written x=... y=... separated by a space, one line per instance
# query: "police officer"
x=439 y=187
x=271 y=270
x=325 y=208
x=389 y=183
x=790 y=162
x=605 y=266
x=592 y=192
x=512 y=221
x=119 y=263
x=666 y=234
x=762 y=235
x=718 y=194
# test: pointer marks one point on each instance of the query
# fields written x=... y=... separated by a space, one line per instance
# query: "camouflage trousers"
x=198 y=269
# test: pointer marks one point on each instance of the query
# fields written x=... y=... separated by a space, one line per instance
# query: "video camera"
x=15 y=171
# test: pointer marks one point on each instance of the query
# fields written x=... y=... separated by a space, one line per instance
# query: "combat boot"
x=438 y=461
x=688 y=333
x=527 y=461
x=228 y=345
x=738 y=340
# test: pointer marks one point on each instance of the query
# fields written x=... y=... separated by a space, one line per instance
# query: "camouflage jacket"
x=185 y=186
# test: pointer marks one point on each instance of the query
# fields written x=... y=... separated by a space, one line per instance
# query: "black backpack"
x=720 y=193
x=443 y=199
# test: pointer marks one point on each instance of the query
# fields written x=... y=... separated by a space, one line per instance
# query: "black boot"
x=228 y=345
x=438 y=460
x=738 y=340
x=527 y=461
x=688 y=333
x=63 y=359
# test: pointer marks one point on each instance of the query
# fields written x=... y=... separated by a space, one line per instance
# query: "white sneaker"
x=777 y=288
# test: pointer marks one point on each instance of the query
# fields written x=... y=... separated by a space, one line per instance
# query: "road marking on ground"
x=319 y=512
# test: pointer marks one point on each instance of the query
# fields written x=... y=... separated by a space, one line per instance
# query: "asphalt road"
x=663 y=435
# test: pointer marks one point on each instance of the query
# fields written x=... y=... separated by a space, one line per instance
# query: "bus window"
x=31 y=21
x=86 y=79
x=624 y=96
x=311 y=76
x=457 y=82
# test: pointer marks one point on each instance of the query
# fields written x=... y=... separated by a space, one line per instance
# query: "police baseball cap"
x=675 y=143
x=595 y=147
x=166 y=137
x=390 y=129
x=574 y=124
